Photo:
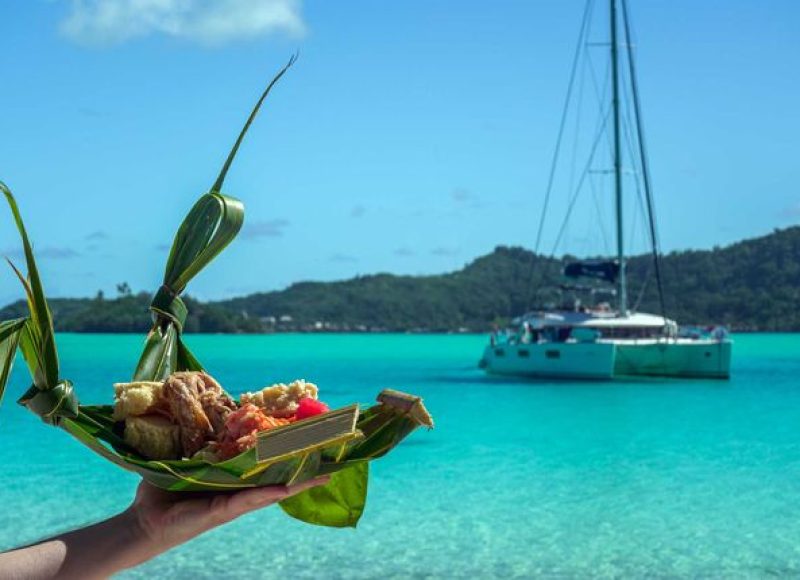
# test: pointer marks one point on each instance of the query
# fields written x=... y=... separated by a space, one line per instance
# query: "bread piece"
x=138 y=398
x=153 y=436
x=281 y=400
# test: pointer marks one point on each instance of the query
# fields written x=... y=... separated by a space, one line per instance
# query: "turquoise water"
x=519 y=479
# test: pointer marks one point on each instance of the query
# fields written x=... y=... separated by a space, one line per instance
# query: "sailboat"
x=601 y=341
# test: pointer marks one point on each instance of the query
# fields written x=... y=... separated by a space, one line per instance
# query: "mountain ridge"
x=750 y=285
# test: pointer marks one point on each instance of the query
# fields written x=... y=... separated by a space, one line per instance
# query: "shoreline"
x=357 y=333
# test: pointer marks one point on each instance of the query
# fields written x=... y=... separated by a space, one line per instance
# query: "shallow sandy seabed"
x=655 y=479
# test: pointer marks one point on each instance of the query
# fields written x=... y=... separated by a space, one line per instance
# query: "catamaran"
x=598 y=341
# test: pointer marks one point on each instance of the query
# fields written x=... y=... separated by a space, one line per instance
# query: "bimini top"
x=595 y=319
x=607 y=270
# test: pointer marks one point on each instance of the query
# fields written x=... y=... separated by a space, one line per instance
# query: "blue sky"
x=410 y=137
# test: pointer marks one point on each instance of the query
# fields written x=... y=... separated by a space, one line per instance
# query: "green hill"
x=751 y=285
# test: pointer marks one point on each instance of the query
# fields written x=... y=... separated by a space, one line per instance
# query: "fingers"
x=297 y=488
x=259 y=497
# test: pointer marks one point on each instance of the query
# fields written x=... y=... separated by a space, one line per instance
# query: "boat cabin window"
x=556 y=333
x=523 y=353
x=552 y=353
x=632 y=332
x=499 y=352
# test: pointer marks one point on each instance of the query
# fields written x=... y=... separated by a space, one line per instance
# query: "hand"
x=167 y=519
x=156 y=521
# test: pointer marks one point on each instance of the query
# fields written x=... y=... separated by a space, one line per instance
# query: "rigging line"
x=645 y=280
x=576 y=142
x=586 y=18
x=580 y=182
x=629 y=138
x=643 y=155
x=574 y=156
x=642 y=213
x=562 y=124
x=635 y=169
x=601 y=93
x=601 y=216
x=628 y=125
x=578 y=105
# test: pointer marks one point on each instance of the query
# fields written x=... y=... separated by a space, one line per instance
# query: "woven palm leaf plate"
x=340 y=442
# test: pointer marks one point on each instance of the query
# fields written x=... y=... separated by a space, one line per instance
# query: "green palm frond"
x=41 y=337
x=224 y=172
x=10 y=331
x=211 y=224
x=209 y=227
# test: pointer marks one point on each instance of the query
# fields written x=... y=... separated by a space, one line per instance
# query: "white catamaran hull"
x=664 y=357
x=592 y=340
x=578 y=360
x=605 y=360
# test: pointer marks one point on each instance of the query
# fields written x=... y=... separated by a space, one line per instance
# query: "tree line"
x=753 y=285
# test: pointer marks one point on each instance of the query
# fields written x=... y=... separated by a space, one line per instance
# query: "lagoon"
x=656 y=478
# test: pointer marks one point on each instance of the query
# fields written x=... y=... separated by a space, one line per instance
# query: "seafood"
x=242 y=428
x=191 y=415
x=199 y=406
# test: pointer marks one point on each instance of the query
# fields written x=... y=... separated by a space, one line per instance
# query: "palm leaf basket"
x=339 y=443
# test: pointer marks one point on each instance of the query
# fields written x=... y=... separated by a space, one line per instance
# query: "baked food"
x=190 y=415
x=281 y=400
x=137 y=398
x=154 y=436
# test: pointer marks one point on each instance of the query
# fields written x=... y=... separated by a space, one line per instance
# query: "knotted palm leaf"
x=339 y=443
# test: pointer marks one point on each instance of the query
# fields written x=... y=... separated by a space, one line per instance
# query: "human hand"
x=156 y=521
x=166 y=519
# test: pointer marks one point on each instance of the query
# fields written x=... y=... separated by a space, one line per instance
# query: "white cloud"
x=46 y=252
x=445 y=251
x=461 y=195
x=264 y=229
x=343 y=258
x=211 y=22
x=791 y=212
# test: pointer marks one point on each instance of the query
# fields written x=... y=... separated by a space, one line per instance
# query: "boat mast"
x=622 y=291
x=648 y=189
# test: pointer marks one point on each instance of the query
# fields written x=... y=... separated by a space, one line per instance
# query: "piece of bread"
x=281 y=400
x=153 y=436
x=138 y=398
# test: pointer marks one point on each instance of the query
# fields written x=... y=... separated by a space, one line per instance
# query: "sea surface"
x=519 y=479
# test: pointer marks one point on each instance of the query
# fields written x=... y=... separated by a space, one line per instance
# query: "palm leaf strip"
x=211 y=224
